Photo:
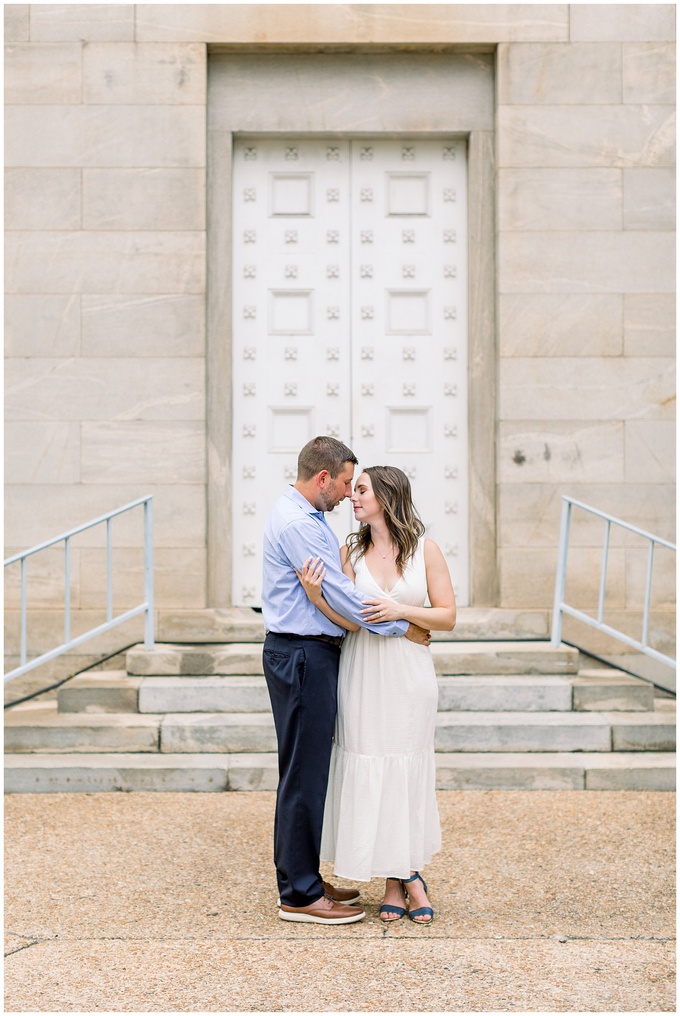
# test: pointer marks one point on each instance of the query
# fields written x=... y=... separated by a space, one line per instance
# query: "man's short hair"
x=323 y=453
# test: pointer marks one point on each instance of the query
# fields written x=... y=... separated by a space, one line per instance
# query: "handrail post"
x=148 y=575
x=561 y=579
x=67 y=590
x=648 y=594
x=109 y=572
x=603 y=572
x=23 y=652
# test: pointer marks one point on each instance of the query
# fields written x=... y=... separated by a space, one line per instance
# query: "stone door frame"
x=263 y=96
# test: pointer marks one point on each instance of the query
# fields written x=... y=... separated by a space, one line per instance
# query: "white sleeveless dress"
x=381 y=816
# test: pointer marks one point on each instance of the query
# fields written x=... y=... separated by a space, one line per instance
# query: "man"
x=301 y=657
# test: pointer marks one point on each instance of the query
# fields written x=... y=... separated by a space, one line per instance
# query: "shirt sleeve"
x=302 y=541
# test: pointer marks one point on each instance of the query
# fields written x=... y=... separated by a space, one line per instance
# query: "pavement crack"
x=24 y=946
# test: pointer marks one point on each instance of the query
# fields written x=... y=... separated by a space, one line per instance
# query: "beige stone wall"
x=105 y=315
x=106 y=270
x=586 y=307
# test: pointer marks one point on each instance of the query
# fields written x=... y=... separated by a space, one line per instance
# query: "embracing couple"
x=348 y=634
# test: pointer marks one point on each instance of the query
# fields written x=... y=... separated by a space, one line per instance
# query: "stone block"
x=82 y=22
x=115 y=772
x=509 y=771
x=528 y=576
x=105 y=262
x=649 y=199
x=172 y=451
x=477 y=624
x=179 y=577
x=203 y=695
x=41 y=325
x=663 y=580
x=541 y=452
x=138 y=326
x=43 y=74
x=109 y=136
x=628 y=771
x=42 y=198
x=504 y=693
x=146 y=199
x=253 y=772
x=649 y=325
x=529 y=514
x=649 y=72
x=589 y=388
x=42 y=452
x=45 y=583
x=642 y=731
x=559 y=199
x=521 y=732
x=554 y=324
x=611 y=690
x=622 y=22
x=42 y=729
x=599 y=136
x=144 y=74
x=17 y=19
x=623 y=262
x=34 y=513
x=559 y=74
x=359 y=91
x=503 y=658
x=650 y=451
x=239 y=659
x=218 y=732
x=101 y=389
x=104 y=692
x=213 y=624
x=340 y=23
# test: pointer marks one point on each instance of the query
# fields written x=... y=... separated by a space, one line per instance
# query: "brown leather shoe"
x=323 y=911
x=340 y=895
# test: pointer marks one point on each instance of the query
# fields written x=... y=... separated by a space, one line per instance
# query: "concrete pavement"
x=545 y=901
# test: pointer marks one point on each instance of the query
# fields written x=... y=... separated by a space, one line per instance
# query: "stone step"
x=105 y=691
x=242 y=624
x=115 y=692
x=36 y=727
x=172 y=660
x=29 y=728
x=59 y=773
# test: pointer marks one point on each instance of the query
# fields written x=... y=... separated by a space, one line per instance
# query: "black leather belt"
x=334 y=640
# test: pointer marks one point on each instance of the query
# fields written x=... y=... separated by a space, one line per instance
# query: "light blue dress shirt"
x=295 y=530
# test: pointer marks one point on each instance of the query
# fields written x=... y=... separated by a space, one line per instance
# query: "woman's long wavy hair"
x=393 y=493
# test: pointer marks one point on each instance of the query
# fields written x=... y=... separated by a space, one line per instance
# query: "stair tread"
x=467 y=759
x=48 y=716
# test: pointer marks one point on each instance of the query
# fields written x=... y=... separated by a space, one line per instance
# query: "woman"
x=381 y=816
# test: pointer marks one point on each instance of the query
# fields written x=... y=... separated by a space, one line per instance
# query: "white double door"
x=350 y=319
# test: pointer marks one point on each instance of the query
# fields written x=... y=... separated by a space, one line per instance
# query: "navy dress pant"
x=302 y=678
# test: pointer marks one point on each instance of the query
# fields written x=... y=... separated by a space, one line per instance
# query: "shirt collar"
x=301 y=501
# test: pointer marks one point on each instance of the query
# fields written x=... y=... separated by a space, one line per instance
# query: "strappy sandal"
x=421 y=911
x=388 y=908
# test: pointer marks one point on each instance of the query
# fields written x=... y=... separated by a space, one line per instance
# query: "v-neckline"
x=374 y=579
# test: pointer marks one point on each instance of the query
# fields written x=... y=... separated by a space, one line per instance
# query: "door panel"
x=350 y=319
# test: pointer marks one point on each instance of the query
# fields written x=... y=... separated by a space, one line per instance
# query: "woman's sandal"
x=388 y=908
x=421 y=911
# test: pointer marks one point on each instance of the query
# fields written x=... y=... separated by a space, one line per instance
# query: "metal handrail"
x=560 y=607
x=146 y=607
